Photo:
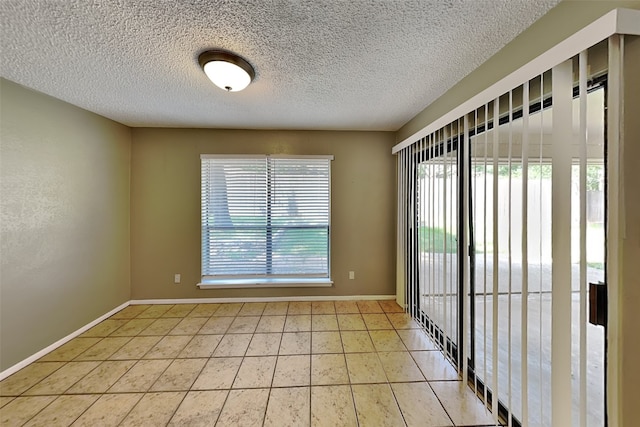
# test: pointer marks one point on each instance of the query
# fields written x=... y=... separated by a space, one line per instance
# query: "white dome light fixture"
x=226 y=70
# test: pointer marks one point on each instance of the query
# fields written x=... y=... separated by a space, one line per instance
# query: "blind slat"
x=265 y=216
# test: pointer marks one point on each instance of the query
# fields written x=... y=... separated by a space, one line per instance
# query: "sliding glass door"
x=503 y=226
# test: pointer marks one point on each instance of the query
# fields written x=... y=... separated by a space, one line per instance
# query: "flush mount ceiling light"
x=226 y=70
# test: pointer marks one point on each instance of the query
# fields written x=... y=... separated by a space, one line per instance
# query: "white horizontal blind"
x=265 y=216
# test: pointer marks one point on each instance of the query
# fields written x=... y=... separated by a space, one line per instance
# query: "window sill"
x=265 y=283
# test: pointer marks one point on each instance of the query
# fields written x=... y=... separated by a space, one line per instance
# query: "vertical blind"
x=265 y=216
x=500 y=229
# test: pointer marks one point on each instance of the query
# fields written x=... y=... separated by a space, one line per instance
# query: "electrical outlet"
x=352 y=275
x=176 y=278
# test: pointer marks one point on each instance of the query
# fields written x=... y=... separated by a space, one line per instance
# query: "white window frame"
x=243 y=281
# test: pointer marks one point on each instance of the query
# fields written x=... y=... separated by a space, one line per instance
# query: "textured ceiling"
x=320 y=64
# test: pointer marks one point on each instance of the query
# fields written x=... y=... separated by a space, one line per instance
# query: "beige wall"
x=64 y=207
x=629 y=369
x=559 y=23
x=165 y=208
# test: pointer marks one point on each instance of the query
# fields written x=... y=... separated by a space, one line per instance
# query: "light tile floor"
x=279 y=364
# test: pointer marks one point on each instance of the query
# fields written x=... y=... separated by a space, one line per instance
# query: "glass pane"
x=438 y=244
x=300 y=250
x=492 y=258
x=266 y=216
x=234 y=239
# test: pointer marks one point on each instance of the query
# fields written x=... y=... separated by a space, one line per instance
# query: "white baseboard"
x=15 y=368
x=263 y=299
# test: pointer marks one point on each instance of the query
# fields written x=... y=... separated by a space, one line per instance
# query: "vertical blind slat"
x=495 y=248
x=561 y=244
x=582 y=141
x=524 y=312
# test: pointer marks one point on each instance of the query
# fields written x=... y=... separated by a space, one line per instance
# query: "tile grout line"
x=192 y=383
x=311 y=371
x=310 y=374
x=162 y=373
x=130 y=410
x=440 y=401
x=353 y=396
x=80 y=414
x=273 y=374
x=230 y=386
x=196 y=333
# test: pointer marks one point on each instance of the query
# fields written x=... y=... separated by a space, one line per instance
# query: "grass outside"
x=434 y=240
x=252 y=244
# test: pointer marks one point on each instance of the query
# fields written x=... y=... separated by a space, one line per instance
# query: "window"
x=265 y=219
